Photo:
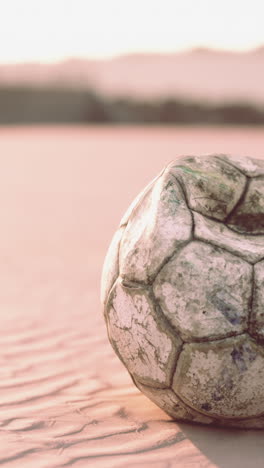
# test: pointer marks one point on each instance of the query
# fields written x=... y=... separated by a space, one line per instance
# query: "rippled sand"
x=65 y=399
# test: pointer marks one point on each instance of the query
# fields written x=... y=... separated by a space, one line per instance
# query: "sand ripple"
x=60 y=407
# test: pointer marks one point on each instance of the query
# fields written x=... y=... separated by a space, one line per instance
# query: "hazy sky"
x=47 y=30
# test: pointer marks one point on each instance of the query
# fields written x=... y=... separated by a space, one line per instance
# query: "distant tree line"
x=27 y=105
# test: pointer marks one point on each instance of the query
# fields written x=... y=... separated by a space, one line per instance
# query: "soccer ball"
x=183 y=290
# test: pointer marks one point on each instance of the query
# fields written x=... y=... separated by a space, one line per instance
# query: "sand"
x=65 y=399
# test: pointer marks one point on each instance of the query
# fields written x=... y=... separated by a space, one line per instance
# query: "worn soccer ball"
x=183 y=290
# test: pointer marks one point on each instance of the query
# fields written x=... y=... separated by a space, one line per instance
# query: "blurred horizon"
x=156 y=61
x=257 y=48
x=197 y=74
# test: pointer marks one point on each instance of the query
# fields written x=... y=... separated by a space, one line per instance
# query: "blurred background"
x=114 y=62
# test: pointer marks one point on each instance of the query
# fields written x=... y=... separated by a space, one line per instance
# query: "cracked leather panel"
x=167 y=400
x=205 y=292
x=212 y=186
x=250 y=248
x=111 y=266
x=251 y=167
x=158 y=226
x=257 y=314
x=224 y=380
x=248 y=217
x=146 y=346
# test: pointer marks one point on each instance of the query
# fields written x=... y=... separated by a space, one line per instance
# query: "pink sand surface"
x=65 y=399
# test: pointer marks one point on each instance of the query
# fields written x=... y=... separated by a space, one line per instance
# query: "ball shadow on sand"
x=227 y=448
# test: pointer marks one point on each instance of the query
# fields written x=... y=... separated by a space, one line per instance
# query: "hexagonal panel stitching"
x=147 y=348
x=212 y=186
x=159 y=226
x=248 y=217
x=222 y=381
x=199 y=291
